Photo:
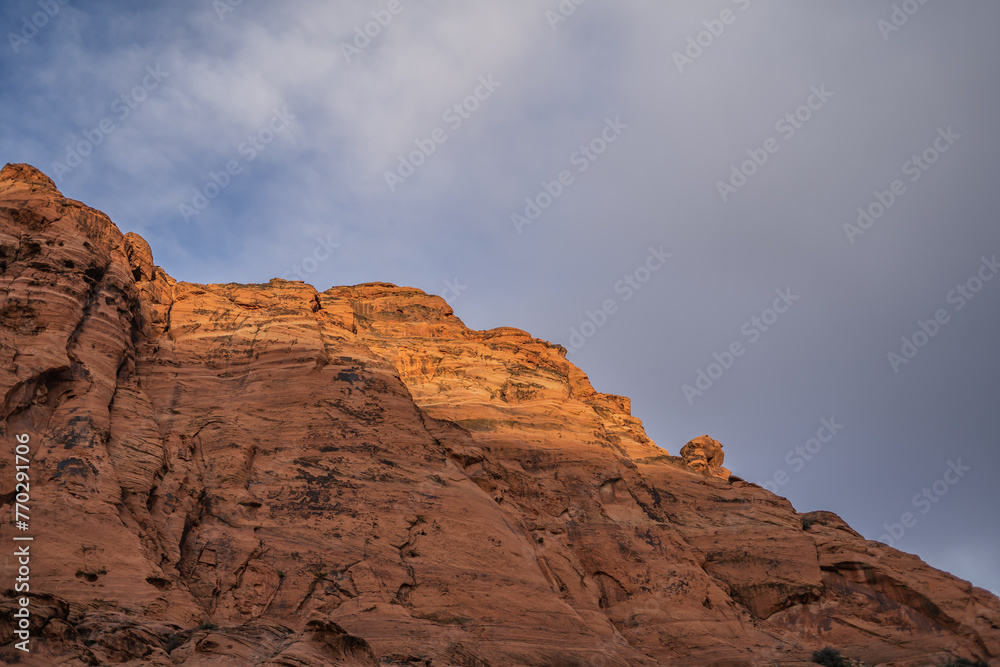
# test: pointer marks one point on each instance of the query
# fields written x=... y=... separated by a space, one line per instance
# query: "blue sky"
x=247 y=141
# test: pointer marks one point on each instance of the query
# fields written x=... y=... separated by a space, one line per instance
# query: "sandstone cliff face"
x=271 y=475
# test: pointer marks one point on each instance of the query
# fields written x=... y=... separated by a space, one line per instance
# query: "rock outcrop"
x=271 y=475
x=705 y=455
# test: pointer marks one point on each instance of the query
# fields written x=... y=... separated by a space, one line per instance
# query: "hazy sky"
x=677 y=182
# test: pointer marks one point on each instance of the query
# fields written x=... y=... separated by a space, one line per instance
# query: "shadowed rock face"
x=271 y=475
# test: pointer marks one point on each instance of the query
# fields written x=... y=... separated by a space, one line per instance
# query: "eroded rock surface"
x=271 y=475
x=705 y=454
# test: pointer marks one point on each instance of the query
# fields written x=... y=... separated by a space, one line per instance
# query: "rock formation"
x=705 y=454
x=271 y=475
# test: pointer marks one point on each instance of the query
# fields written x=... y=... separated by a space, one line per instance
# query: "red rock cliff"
x=271 y=475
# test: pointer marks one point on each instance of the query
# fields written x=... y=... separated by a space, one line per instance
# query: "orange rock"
x=705 y=454
x=271 y=475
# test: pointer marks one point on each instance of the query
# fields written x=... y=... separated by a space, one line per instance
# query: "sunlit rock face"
x=271 y=475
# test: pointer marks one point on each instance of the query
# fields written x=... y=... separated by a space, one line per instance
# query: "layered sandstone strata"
x=271 y=475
